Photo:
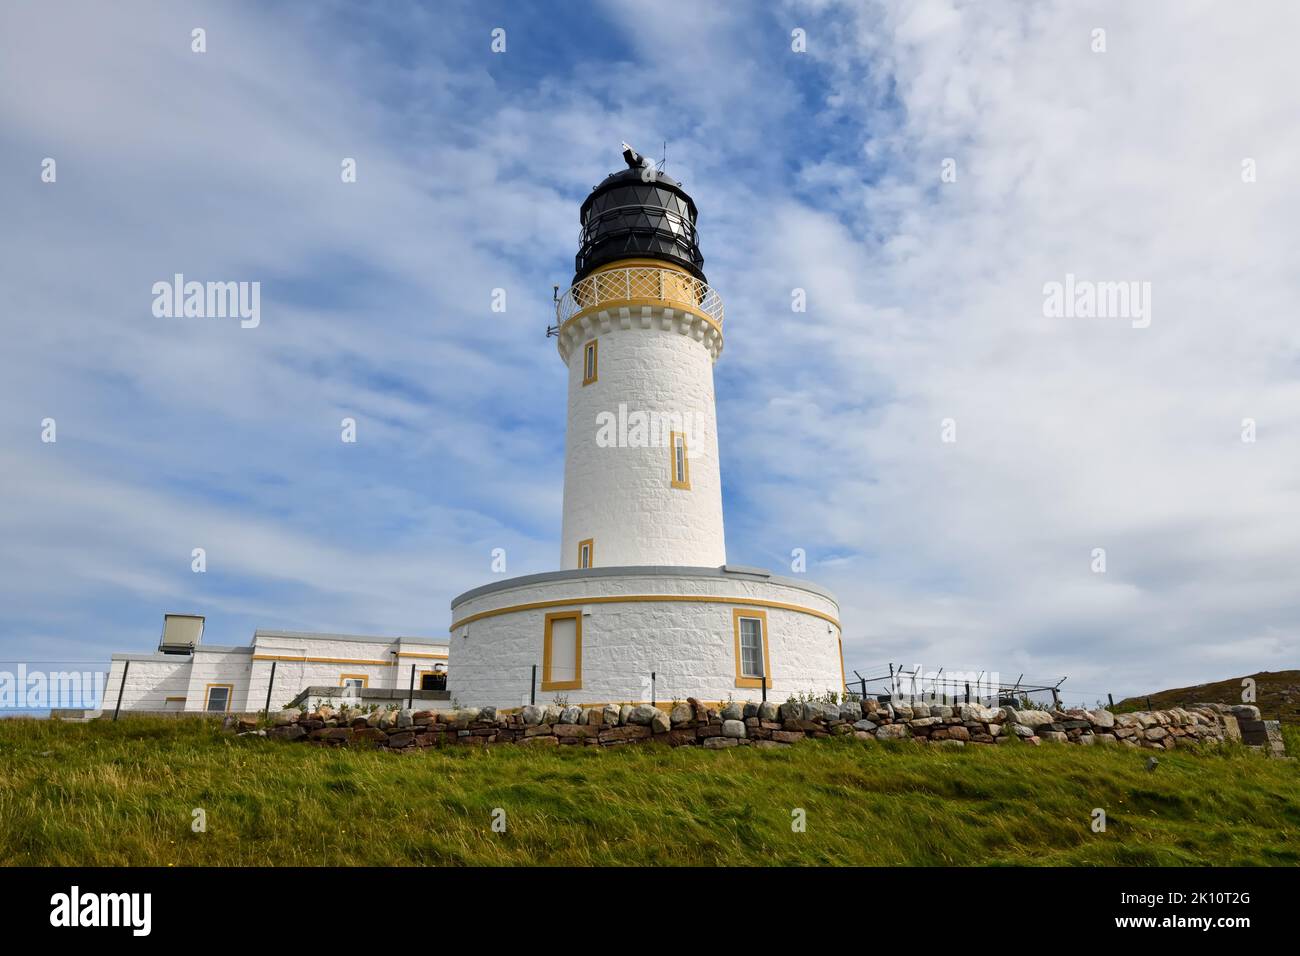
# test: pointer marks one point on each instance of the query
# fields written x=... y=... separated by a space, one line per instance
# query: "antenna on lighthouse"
x=555 y=298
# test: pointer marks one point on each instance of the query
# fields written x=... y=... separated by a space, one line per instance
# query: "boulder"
x=750 y=709
x=552 y=713
x=892 y=732
x=863 y=724
x=1101 y=718
x=285 y=717
x=1033 y=718
x=851 y=711
x=642 y=714
x=404 y=719
x=733 y=711
x=791 y=710
x=701 y=712
x=570 y=715
x=733 y=728
x=660 y=722
x=532 y=715
x=681 y=714
x=767 y=711
x=609 y=716
x=624 y=713
x=488 y=714
x=719 y=743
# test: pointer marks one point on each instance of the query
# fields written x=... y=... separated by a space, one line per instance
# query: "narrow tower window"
x=589 y=362
x=586 y=553
x=753 y=665
x=680 y=464
x=562 y=652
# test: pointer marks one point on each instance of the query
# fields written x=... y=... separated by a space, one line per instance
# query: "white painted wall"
x=689 y=644
x=306 y=660
x=623 y=497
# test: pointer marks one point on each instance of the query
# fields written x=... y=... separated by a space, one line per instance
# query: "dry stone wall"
x=768 y=725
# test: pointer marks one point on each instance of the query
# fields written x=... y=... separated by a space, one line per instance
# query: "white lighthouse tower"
x=644 y=606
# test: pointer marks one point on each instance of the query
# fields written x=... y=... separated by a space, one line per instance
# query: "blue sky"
x=816 y=170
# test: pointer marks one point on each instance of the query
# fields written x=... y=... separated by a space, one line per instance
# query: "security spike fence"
x=768 y=725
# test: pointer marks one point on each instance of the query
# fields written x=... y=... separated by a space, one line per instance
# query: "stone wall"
x=769 y=726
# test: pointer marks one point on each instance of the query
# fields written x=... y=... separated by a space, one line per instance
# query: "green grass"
x=122 y=794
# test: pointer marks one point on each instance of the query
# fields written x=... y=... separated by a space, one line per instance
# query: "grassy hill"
x=1278 y=694
x=124 y=794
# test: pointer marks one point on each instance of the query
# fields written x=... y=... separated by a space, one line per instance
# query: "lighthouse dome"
x=638 y=213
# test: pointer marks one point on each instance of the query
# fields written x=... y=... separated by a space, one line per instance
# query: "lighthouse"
x=639 y=330
x=645 y=606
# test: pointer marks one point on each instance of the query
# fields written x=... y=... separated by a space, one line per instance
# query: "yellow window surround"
x=364 y=678
x=207 y=694
x=589 y=362
x=761 y=617
x=575 y=684
x=587 y=553
x=679 y=473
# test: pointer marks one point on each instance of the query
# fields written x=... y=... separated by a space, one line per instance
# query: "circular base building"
x=643 y=634
x=645 y=608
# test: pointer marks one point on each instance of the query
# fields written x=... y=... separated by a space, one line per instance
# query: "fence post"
x=126 y=666
x=410 y=691
x=532 y=688
x=968 y=692
x=763 y=682
x=653 y=701
x=864 y=688
x=1111 y=698
x=269 y=684
x=1056 y=699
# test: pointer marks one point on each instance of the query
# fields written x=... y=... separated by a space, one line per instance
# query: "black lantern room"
x=638 y=213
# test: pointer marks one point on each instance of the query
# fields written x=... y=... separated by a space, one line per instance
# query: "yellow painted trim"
x=635 y=598
x=685 y=482
x=321 y=660
x=230 y=695
x=176 y=698
x=761 y=617
x=431 y=657
x=576 y=683
x=594 y=346
x=364 y=678
x=590 y=544
x=615 y=304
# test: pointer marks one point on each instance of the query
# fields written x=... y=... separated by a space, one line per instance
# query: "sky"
x=922 y=171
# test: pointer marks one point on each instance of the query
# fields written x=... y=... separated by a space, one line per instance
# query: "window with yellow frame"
x=679 y=463
x=356 y=681
x=753 y=660
x=589 y=362
x=587 y=553
x=562 y=651
x=216 y=697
